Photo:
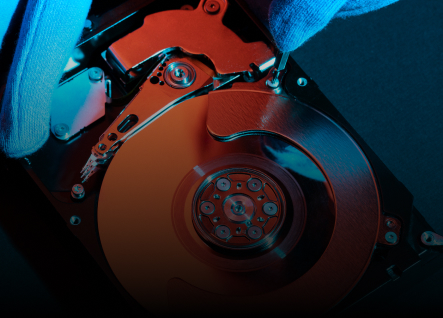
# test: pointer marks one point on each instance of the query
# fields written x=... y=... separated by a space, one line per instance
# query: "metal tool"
x=279 y=66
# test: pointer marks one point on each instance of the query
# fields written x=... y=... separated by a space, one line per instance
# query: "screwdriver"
x=280 y=63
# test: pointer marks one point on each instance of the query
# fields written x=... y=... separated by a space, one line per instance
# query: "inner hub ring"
x=239 y=201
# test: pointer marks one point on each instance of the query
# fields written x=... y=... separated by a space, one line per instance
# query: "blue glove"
x=51 y=28
x=293 y=22
x=48 y=35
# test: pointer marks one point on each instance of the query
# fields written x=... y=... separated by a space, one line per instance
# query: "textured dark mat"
x=383 y=72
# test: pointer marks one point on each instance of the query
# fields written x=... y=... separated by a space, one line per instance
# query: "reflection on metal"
x=292 y=158
x=267 y=65
x=77 y=103
x=71 y=65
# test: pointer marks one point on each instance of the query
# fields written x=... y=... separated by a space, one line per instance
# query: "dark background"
x=382 y=71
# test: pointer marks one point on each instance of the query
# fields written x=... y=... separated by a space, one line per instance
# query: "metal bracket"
x=77 y=103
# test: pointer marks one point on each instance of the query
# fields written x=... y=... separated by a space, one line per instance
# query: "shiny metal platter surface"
x=167 y=249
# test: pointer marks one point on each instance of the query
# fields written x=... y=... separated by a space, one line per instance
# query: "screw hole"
x=216 y=196
x=154 y=80
x=238 y=230
x=216 y=219
x=112 y=137
x=260 y=197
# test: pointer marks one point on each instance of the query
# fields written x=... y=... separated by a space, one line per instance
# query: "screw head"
x=273 y=83
x=212 y=7
x=75 y=220
x=254 y=184
x=391 y=237
x=207 y=207
x=77 y=191
x=222 y=232
x=179 y=75
x=302 y=82
x=61 y=131
x=95 y=74
x=270 y=208
x=223 y=184
x=238 y=208
x=254 y=232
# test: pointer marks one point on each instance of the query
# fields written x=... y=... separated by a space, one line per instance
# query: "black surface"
x=382 y=71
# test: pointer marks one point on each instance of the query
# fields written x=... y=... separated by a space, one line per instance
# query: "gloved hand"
x=48 y=34
x=51 y=28
x=293 y=22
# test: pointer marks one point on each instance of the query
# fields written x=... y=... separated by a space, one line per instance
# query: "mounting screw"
x=391 y=237
x=95 y=74
x=61 y=131
x=77 y=191
x=223 y=232
x=212 y=7
x=254 y=232
x=179 y=75
x=223 y=184
x=207 y=207
x=302 y=82
x=75 y=220
x=254 y=185
x=270 y=208
x=273 y=83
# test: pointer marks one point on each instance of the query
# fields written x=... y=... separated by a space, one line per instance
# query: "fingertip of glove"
x=293 y=22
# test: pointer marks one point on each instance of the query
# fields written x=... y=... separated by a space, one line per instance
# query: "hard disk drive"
x=214 y=183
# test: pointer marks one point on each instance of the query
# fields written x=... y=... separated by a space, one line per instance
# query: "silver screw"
x=61 y=131
x=254 y=232
x=223 y=232
x=273 y=83
x=77 y=191
x=391 y=237
x=270 y=208
x=302 y=82
x=254 y=184
x=223 y=184
x=207 y=207
x=95 y=74
x=75 y=220
x=179 y=75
